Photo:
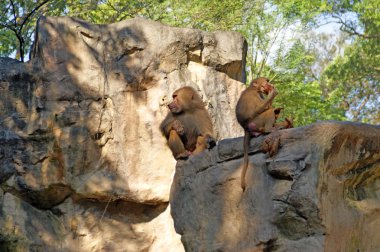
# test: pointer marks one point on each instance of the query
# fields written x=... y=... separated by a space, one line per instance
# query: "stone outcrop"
x=83 y=165
x=320 y=192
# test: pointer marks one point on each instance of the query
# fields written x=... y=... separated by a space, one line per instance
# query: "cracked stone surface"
x=82 y=161
x=320 y=192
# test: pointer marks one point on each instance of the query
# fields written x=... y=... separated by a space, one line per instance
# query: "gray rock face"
x=83 y=164
x=319 y=193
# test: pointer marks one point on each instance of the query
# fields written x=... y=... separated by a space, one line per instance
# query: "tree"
x=110 y=11
x=17 y=23
x=319 y=78
x=356 y=74
x=299 y=90
x=350 y=78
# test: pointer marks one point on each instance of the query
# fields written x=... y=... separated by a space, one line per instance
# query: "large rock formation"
x=83 y=166
x=321 y=192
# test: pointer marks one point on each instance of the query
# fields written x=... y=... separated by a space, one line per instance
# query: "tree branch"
x=32 y=12
x=351 y=30
x=364 y=102
x=14 y=13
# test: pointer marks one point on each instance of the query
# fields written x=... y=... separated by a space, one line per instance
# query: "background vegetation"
x=321 y=73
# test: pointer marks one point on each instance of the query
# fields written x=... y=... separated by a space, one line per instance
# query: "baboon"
x=187 y=127
x=255 y=114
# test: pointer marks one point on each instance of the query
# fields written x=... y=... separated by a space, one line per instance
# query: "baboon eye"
x=174 y=96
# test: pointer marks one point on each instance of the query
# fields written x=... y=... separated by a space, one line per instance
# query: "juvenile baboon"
x=187 y=127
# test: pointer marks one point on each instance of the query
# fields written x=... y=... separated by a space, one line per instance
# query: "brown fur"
x=187 y=127
x=255 y=114
x=286 y=124
x=269 y=122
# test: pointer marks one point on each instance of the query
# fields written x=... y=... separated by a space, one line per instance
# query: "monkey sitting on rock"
x=187 y=127
x=255 y=114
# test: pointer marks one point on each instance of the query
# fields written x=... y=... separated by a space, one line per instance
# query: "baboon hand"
x=178 y=127
x=211 y=142
x=183 y=155
x=272 y=94
x=271 y=143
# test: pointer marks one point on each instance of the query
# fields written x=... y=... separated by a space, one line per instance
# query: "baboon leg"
x=201 y=145
x=176 y=145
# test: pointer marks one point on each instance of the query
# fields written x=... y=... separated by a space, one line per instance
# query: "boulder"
x=82 y=161
x=320 y=192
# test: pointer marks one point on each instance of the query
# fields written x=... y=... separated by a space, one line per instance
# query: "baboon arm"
x=175 y=144
x=267 y=104
x=166 y=125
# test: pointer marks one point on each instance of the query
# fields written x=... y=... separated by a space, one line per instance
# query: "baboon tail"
x=245 y=160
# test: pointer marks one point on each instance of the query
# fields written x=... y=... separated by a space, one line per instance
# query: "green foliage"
x=356 y=74
x=17 y=23
x=262 y=26
x=318 y=78
x=302 y=10
x=302 y=96
x=207 y=15
x=101 y=11
x=305 y=103
x=7 y=45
